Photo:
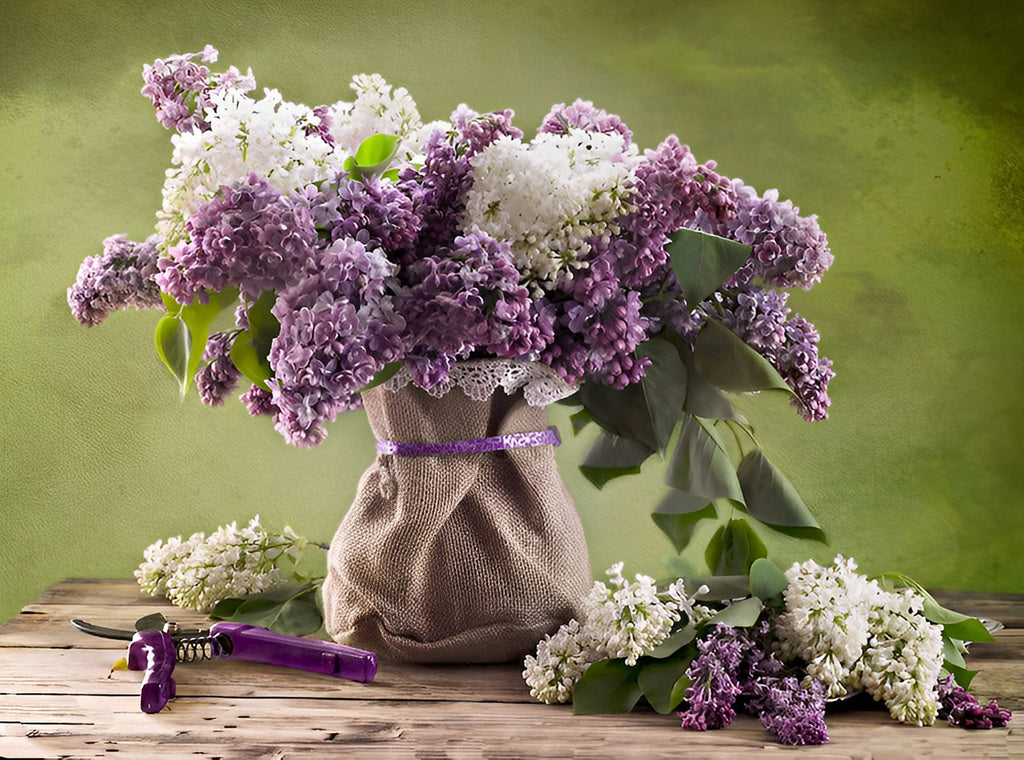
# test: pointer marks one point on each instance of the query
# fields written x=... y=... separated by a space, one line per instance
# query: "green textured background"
x=898 y=123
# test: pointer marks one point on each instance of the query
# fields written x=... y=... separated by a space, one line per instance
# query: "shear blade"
x=102 y=631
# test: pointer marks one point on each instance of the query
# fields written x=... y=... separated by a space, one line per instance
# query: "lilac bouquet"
x=312 y=252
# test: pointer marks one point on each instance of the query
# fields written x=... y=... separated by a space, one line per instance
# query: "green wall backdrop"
x=899 y=124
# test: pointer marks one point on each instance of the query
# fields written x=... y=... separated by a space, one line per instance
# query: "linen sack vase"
x=456 y=558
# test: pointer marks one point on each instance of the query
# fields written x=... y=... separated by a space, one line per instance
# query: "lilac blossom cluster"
x=476 y=243
x=783 y=668
x=122 y=278
x=738 y=667
x=252 y=236
x=761 y=318
x=179 y=88
x=959 y=707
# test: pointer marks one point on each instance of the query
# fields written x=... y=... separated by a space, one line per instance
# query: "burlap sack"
x=458 y=558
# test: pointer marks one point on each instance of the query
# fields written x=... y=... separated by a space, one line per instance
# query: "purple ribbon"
x=548 y=437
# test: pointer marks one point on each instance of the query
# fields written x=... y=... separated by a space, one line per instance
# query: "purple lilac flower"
x=123 y=277
x=960 y=708
x=467 y=299
x=251 y=236
x=583 y=114
x=738 y=667
x=762 y=319
x=338 y=329
x=597 y=326
x=715 y=680
x=374 y=211
x=258 y=402
x=477 y=131
x=438 y=192
x=669 y=190
x=324 y=124
x=219 y=377
x=179 y=88
x=789 y=250
x=795 y=714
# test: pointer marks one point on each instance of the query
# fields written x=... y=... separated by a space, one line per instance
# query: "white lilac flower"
x=270 y=137
x=161 y=561
x=903 y=658
x=826 y=622
x=198 y=572
x=560 y=662
x=379 y=109
x=631 y=618
x=626 y=620
x=548 y=197
x=853 y=635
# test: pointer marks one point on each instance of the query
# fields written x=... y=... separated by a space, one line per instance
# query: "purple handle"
x=249 y=642
x=153 y=652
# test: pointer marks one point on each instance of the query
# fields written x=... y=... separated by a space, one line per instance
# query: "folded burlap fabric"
x=456 y=557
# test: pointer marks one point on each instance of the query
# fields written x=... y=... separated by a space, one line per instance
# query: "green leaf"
x=174 y=347
x=257 y=611
x=250 y=361
x=181 y=334
x=664 y=387
x=251 y=348
x=700 y=465
x=676 y=502
x=955 y=625
x=702 y=262
x=372 y=156
x=733 y=548
x=299 y=616
x=608 y=686
x=680 y=526
x=290 y=608
x=225 y=609
x=664 y=682
x=675 y=641
x=952 y=653
x=769 y=496
x=172 y=306
x=766 y=579
x=385 y=373
x=612 y=457
x=725 y=360
x=702 y=398
x=962 y=676
x=970 y=629
x=741 y=614
x=580 y=420
x=721 y=587
x=645 y=411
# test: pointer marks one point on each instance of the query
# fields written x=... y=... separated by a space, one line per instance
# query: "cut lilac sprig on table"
x=816 y=633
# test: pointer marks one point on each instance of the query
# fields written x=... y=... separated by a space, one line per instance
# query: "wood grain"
x=56 y=700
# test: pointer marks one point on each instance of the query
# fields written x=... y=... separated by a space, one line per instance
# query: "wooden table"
x=56 y=700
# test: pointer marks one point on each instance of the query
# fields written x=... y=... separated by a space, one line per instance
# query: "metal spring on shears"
x=206 y=647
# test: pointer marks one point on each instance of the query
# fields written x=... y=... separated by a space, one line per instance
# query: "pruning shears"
x=157 y=644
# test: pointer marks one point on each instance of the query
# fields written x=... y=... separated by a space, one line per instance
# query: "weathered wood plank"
x=50 y=625
x=56 y=701
x=85 y=672
x=75 y=725
x=81 y=671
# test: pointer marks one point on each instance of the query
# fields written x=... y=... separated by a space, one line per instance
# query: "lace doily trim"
x=480 y=378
